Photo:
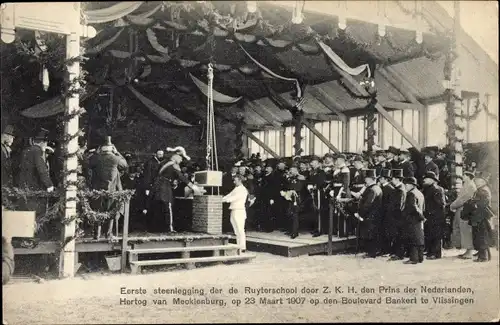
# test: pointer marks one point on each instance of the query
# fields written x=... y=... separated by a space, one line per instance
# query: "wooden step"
x=136 y=265
x=182 y=249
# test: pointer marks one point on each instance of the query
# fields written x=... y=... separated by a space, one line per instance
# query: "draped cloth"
x=153 y=40
x=275 y=75
x=341 y=64
x=53 y=106
x=114 y=12
x=217 y=96
x=99 y=47
x=157 y=110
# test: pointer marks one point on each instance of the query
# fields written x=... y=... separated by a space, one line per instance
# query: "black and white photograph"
x=169 y=162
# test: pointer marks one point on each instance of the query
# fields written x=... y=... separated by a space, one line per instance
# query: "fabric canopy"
x=217 y=96
x=114 y=12
x=52 y=106
x=157 y=110
x=341 y=64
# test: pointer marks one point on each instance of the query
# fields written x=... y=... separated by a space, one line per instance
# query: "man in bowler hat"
x=413 y=216
x=398 y=199
x=434 y=213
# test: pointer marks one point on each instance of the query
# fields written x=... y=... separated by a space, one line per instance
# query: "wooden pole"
x=298 y=122
x=126 y=218
x=67 y=254
x=454 y=105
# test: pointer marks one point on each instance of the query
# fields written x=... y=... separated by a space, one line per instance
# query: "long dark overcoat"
x=393 y=218
x=370 y=209
x=482 y=231
x=435 y=225
x=413 y=216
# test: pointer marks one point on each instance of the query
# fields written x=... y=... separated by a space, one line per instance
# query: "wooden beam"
x=401 y=105
x=345 y=135
x=298 y=120
x=320 y=136
x=328 y=102
x=423 y=125
x=322 y=117
x=398 y=83
x=268 y=110
x=282 y=142
x=349 y=79
x=260 y=143
x=262 y=113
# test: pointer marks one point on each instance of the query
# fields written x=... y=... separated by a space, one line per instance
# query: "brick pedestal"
x=207 y=214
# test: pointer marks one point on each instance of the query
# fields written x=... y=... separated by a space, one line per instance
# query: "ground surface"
x=96 y=298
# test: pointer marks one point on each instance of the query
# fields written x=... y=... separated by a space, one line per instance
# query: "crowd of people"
x=398 y=202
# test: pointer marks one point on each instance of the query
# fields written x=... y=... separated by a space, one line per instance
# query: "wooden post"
x=67 y=254
x=345 y=135
x=423 y=125
x=454 y=105
x=297 y=121
x=282 y=136
x=126 y=218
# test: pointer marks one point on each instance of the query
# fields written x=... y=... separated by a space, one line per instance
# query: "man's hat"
x=371 y=173
x=328 y=154
x=379 y=153
x=9 y=130
x=483 y=175
x=387 y=173
x=397 y=173
x=404 y=152
x=430 y=151
x=357 y=158
x=411 y=181
x=393 y=150
x=341 y=156
x=315 y=158
x=431 y=175
x=469 y=174
x=43 y=134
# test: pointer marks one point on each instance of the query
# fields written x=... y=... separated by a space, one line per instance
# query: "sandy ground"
x=96 y=298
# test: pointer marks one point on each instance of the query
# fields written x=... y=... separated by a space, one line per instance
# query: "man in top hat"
x=392 y=155
x=269 y=194
x=370 y=209
x=413 y=216
x=34 y=175
x=7 y=140
x=430 y=165
x=434 y=212
x=292 y=194
x=387 y=227
x=380 y=162
x=405 y=164
x=315 y=185
x=397 y=204
x=280 y=205
x=357 y=181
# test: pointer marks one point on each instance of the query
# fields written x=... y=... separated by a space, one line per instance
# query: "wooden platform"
x=280 y=244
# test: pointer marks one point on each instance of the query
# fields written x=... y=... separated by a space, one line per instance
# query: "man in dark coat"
x=387 y=228
x=396 y=207
x=405 y=164
x=435 y=224
x=315 y=184
x=413 y=216
x=280 y=205
x=292 y=195
x=430 y=165
x=104 y=168
x=150 y=170
x=480 y=219
x=370 y=208
x=380 y=162
x=269 y=193
x=7 y=171
x=392 y=155
x=34 y=173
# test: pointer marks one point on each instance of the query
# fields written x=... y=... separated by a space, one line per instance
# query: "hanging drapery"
x=157 y=110
x=153 y=40
x=98 y=48
x=53 y=106
x=275 y=75
x=114 y=12
x=145 y=14
x=341 y=64
x=217 y=96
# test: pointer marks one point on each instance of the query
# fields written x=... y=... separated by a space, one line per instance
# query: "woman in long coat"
x=480 y=220
x=464 y=229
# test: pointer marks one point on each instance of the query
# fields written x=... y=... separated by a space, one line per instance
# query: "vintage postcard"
x=249 y=162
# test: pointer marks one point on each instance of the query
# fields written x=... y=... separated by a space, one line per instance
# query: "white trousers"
x=238 y=218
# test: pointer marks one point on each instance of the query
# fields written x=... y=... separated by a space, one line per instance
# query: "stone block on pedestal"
x=207 y=214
